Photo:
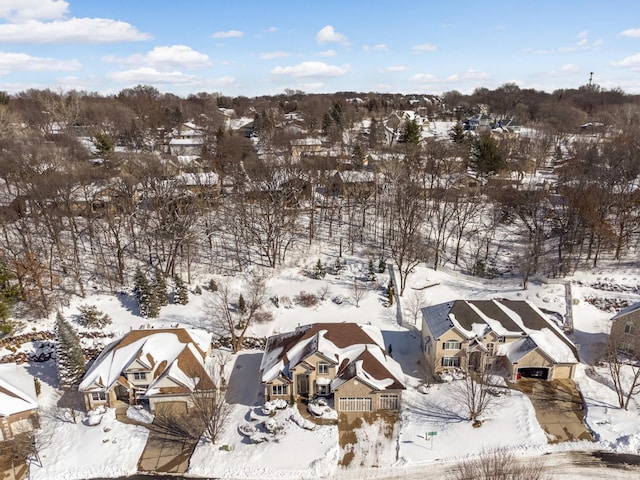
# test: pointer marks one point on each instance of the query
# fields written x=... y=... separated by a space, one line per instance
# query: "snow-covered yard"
x=290 y=450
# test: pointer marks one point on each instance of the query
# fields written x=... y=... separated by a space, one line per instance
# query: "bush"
x=276 y=301
x=262 y=316
x=213 y=286
x=319 y=272
x=197 y=290
x=91 y=317
x=339 y=266
x=306 y=299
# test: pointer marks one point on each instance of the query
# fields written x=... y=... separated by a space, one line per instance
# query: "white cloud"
x=583 y=34
x=424 y=47
x=165 y=57
x=21 y=10
x=329 y=35
x=583 y=43
x=312 y=69
x=11 y=62
x=632 y=62
x=631 y=32
x=396 y=68
x=80 y=30
x=424 y=78
x=150 y=75
x=272 y=29
x=327 y=53
x=175 y=55
x=272 y=55
x=468 y=75
x=381 y=47
x=228 y=34
x=565 y=70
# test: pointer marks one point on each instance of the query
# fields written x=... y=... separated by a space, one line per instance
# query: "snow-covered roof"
x=175 y=353
x=628 y=310
x=356 y=350
x=505 y=318
x=17 y=391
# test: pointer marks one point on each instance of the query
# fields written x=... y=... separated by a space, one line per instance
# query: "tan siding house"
x=18 y=402
x=149 y=366
x=344 y=360
x=625 y=330
x=512 y=336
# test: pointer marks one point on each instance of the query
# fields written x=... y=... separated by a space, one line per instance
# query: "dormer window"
x=139 y=375
x=323 y=368
x=500 y=339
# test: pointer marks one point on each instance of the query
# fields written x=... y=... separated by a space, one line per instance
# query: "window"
x=139 y=375
x=625 y=347
x=323 y=368
x=97 y=396
x=279 y=389
x=490 y=348
x=500 y=339
x=450 y=361
x=323 y=389
x=389 y=401
x=451 y=345
x=629 y=329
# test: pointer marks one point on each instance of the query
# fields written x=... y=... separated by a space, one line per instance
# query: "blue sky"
x=263 y=47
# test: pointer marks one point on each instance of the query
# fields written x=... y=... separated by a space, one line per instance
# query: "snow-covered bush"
x=300 y=421
x=90 y=316
x=320 y=408
x=270 y=407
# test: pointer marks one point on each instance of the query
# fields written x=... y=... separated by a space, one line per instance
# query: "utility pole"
x=590 y=80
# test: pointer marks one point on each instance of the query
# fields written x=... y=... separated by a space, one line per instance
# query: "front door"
x=475 y=361
x=302 y=384
x=122 y=393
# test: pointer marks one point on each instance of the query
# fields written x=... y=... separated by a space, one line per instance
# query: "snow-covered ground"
x=75 y=451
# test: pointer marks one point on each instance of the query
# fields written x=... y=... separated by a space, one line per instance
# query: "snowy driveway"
x=165 y=453
x=559 y=408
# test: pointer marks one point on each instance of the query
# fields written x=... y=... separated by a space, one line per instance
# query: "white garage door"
x=388 y=402
x=356 y=404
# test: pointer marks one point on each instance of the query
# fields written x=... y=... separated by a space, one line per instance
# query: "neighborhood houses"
x=18 y=402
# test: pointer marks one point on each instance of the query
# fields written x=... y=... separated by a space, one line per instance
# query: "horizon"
x=249 y=50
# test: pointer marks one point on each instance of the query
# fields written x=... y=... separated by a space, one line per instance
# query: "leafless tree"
x=475 y=392
x=358 y=291
x=499 y=464
x=412 y=306
x=227 y=318
x=624 y=367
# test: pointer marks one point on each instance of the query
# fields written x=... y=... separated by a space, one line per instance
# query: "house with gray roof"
x=511 y=336
x=625 y=330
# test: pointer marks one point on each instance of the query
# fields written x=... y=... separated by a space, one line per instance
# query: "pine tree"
x=181 y=296
x=242 y=305
x=411 y=132
x=69 y=356
x=9 y=293
x=319 y=271
x=144 y=294
x=160 y=288
x=371 y=275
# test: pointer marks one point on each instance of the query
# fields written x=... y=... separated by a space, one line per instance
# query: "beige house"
x=345 y=360
x=18 y=402
x=625 y=330
x=154 y=367
x=514 y=337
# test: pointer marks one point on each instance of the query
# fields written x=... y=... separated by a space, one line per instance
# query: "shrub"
x=319 y=272
x=91 y=317
x=197 y=290
x=262 y=316
x=213 y=286
x=306 y=299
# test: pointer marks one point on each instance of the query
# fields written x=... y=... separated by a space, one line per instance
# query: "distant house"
x=345 y=360
x=479 y=121
x=625 y=330
x=513 y=336
x=351 y=183
x=158 y=367
x=304 y=146
x=18 y=402
x=187 y=140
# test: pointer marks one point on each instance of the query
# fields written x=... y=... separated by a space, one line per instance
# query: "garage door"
x=388 y=401
x=356 y=404
x=534 y=372
x=171 y=408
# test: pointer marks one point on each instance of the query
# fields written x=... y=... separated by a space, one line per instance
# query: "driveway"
x=559 y=408
x=166 y=453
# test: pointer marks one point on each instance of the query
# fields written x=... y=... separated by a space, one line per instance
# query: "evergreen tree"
x=488 y=157
x=69 y=356
x=371 y=275
x=160 y=288
x=411 y=132
x=319 y=272
x=242 y=305
x=9 y=293
x=456 y=134
x=104 y=143
x=181 y=296
x=144 y=294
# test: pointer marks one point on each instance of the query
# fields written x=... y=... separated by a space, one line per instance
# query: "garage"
x=541 y=373
x=170 y=408
x=355 y=404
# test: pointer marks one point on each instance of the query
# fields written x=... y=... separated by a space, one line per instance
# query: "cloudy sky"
x=255 y=47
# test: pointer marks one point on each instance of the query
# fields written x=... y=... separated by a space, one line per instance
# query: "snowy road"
x=561 y=466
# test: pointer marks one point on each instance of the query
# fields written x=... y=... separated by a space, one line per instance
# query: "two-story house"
x=150 y=366
x=345 y=360
x=625 y=330
x=514 y=337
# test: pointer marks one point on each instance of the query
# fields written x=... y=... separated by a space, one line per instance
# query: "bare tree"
x=227 y=319
x=499 y=464
x=412 y=306
x=358 y=292
x=623 y=366
x=475 y=392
